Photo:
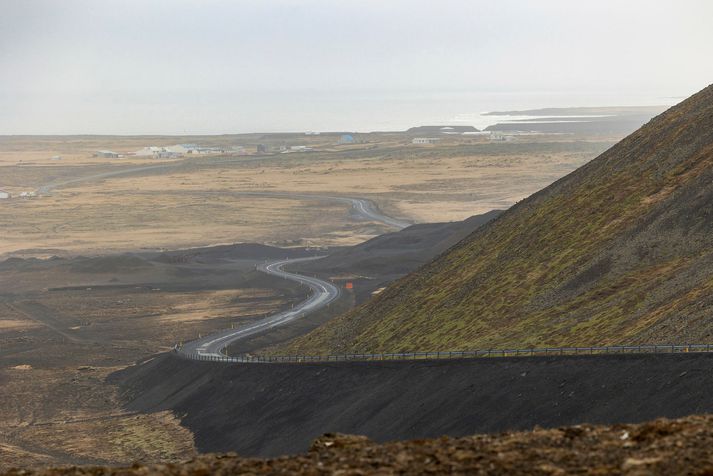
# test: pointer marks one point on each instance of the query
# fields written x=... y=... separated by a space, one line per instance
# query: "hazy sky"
x=103 y=66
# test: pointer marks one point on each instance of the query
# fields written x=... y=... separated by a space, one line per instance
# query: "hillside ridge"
x=595 y=258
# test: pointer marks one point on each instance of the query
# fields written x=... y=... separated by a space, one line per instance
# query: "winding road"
x=322 y=293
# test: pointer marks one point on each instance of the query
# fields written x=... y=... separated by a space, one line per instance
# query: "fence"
x=466 y=354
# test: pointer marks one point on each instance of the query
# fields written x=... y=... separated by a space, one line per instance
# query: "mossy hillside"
x=599 y=257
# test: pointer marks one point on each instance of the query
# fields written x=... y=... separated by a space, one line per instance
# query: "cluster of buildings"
x=7 y=195
x=283 y=149
x=171 y=151
x=437 y=132
x=180 y=150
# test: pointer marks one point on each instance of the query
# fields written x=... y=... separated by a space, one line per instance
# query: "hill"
x=619 y=251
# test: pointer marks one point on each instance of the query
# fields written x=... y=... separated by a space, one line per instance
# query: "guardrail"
x=465 y=354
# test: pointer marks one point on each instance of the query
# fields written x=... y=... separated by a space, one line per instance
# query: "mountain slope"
x=618 y=251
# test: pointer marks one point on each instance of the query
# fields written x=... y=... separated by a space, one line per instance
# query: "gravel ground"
x=664 y=447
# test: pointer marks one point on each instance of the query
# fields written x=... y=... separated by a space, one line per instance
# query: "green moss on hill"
x=618 y=251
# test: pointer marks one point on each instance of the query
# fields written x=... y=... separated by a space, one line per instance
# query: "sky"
x=212 y=67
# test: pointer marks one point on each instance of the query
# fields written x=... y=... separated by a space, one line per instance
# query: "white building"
x=157 y=152
x=425 y=140
x=4 y=195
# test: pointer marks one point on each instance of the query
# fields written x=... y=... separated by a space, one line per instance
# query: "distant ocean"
x=224 y=113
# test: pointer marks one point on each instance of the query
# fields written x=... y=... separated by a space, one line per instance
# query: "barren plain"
x=199 y=201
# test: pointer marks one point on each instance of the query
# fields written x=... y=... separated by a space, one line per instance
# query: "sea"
x=210 y=112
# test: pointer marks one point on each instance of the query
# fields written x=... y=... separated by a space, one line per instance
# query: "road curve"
x=322 y=293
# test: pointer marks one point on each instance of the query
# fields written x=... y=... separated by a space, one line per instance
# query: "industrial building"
x=4 y=195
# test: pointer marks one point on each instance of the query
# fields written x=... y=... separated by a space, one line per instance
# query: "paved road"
x=322 y=293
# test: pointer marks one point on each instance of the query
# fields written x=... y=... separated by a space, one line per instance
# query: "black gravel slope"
x=267 y=410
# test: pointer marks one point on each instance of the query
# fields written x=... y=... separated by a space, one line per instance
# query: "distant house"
x=425 y=140
x=106 y=154
x=346 y=139
x=150 y=151
x=4 y=195
x=56 y=157
x=262 y=149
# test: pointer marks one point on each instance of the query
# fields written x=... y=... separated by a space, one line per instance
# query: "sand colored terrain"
x=202 y=201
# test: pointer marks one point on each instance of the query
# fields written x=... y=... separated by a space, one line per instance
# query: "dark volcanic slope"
x=273 y=409
x=619 y=251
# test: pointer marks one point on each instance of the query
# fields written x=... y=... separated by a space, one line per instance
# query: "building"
x=106 y=154
x=4 y=195
x=346 y=139
x=425 y=140
x=158 y=153
x=262 y=149
x=180 y=148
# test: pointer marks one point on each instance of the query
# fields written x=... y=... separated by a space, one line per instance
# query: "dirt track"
x=282 y=411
